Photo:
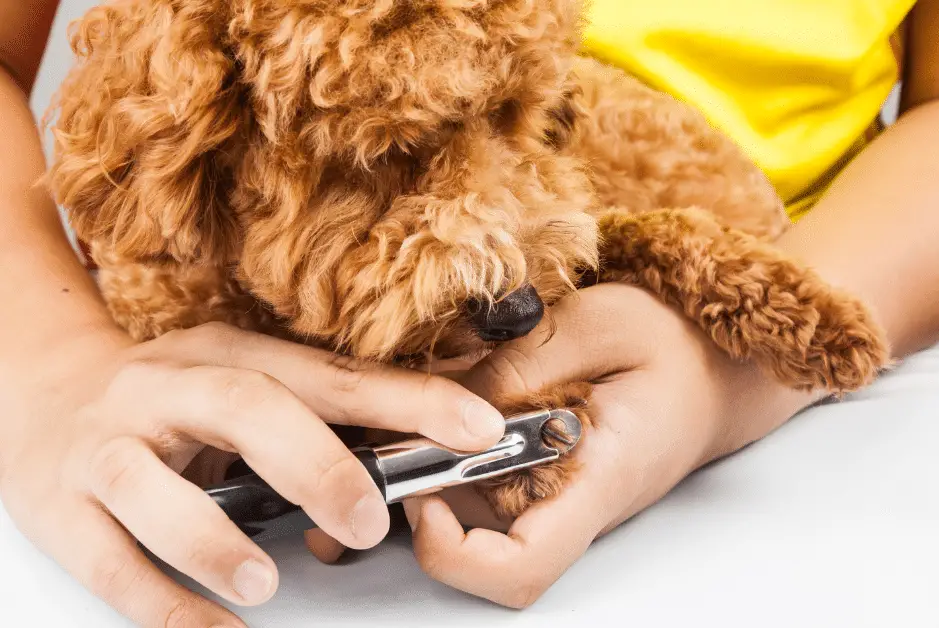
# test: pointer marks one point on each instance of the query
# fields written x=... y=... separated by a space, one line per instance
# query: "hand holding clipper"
x=405 y=469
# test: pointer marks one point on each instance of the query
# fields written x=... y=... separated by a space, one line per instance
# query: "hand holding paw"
x=665 y=401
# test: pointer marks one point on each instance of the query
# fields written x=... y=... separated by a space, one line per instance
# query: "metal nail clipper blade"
x=405 y=469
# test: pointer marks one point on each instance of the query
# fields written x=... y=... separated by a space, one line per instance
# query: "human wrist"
x=75 y=345
x=755 y=404
x=53 y=303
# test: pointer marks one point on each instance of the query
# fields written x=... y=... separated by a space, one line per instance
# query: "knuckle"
x=524 y=593
x=244 y=390
x=347 y=374
x=512 y=369
x=14 y=491
x=200 y=553
x=179 y=614
x=221 y=336
x=113 y=469
x=213 y=330
x=110 y=577
x=431 y=564
x=437 y=388
x=440 y=407
x=6 y=474
x=432 y=560
x=133 y=375
x=334 y=472
x=172 y=336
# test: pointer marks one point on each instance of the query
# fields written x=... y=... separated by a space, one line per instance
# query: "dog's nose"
x=511 y=317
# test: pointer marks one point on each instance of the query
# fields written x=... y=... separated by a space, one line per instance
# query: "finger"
x=278 y=436
x=180 y=524
x=209 y=467
x=512 y=569
x=579 y=341
x=472 y=509
x=326 y=549
x=100 y=555
x=346 y=391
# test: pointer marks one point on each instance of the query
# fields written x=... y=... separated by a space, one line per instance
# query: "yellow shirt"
x=796 y=83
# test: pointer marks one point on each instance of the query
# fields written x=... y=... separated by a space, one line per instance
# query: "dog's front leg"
x=751 y=300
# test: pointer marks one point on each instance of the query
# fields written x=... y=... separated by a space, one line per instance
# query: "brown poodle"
x=397 y=178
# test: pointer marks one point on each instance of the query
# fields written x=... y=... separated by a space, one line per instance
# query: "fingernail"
x=370 y=520
x=253 y=581
x=482 y=421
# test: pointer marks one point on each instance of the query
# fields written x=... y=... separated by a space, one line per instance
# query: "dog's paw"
x=842 y=349
x=511 y=495
x=808 y=334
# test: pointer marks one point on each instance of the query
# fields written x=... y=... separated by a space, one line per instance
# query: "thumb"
x=522 y=367
x=594 y=333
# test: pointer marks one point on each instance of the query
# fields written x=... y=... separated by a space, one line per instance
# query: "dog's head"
x=387 y=175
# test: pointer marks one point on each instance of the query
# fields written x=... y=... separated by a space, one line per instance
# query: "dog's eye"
x=503 y=118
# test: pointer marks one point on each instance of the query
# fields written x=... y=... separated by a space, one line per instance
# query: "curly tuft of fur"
x=147 y=122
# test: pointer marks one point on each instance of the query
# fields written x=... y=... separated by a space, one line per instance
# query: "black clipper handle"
x=261 y=513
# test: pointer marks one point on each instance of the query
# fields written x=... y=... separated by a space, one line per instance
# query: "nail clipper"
x=405 y=469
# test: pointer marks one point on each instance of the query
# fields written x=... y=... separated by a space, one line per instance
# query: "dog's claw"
x=559 y=436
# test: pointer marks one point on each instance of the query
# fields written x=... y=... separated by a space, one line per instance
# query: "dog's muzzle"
x=513 y=316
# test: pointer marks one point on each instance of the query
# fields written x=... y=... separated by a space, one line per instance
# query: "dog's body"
x=353 y=174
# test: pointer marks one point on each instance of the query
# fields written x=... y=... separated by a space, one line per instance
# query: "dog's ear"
x=145 y=130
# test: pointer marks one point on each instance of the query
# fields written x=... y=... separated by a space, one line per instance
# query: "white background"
x=831 y=521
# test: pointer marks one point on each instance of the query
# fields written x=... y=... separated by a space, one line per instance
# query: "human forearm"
x=49 y=296
x=874 y=232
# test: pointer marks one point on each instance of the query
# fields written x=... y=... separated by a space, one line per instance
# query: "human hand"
x=93 y=439
x=665 y=401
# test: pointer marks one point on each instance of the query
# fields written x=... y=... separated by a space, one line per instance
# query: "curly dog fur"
x=351 y=173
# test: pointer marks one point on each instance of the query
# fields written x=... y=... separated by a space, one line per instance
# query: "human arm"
x=873 y=232
x=50 y=298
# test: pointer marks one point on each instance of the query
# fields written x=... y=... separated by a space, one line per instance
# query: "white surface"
x=831 y=521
